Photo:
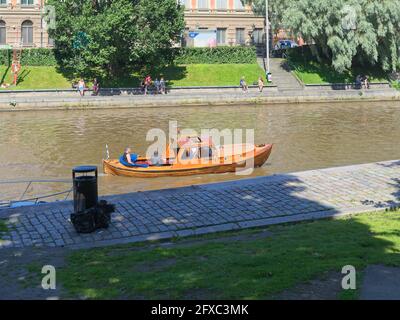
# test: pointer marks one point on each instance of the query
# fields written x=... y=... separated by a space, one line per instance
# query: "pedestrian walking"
x=260 y=84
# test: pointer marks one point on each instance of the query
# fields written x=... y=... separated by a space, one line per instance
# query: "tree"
x=344 y=30
x=113 y=37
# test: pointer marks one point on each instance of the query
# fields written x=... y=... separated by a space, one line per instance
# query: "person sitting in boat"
x=128 y=156
x=156 y=159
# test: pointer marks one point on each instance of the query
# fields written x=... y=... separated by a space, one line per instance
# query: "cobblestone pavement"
x=217 y=207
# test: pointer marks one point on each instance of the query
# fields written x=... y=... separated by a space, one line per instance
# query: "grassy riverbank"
x=183 y=75
x=311 y=72
x=35 y=78
x=251 y=264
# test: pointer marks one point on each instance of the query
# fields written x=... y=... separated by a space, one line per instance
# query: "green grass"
x=184 y=75
x=396 y=85
x=3 y=228
x=215 y=75
x=312 y=72
x=252 y=268
x=35 y=78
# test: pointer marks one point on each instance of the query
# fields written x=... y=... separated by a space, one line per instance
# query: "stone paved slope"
x=281 y=75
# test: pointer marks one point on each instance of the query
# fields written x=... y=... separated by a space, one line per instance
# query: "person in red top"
x=147 y=84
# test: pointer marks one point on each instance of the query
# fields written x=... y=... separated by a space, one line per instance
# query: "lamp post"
x=267 y=36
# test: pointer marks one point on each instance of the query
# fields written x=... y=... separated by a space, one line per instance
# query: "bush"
x=30 y=57
x=223 y=55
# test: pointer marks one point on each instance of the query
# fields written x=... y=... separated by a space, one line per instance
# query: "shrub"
x=221 y=55
x=30 y=57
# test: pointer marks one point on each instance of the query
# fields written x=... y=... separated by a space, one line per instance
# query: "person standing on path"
x=157 y=85
x=243 y=85
x=96 y=87
x=162 y=85
x=147 y=83
x=81 y=87
x=260 y=84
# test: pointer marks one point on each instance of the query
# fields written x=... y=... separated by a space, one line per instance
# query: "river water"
x=46 y=145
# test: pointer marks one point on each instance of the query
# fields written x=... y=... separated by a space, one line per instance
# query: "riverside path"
x=258 y=202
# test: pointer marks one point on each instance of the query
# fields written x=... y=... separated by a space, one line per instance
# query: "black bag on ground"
x=103 y=214
x=84 y=222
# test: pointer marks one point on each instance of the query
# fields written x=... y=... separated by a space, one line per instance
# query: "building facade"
x=22 y=24
x=227 y=21
x=233 y=23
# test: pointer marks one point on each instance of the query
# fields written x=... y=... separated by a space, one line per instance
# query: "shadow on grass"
x=3 y=77
x=133 y=80
x=22 y=76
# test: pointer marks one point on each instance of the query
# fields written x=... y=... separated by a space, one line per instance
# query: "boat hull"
x=260 y=155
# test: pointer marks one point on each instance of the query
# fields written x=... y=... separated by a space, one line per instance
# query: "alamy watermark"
x=350 y=278
x=49 y=280
x=205 y=147
x=49 y=14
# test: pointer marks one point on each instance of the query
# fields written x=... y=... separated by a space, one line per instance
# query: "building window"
x=3 y=33
x=222 y=4
x=27 y=2
x=240 y=36
x=27 y=33
x=221 y=36
x=258 y=36
x=3 y=2
x=202 y=4
x=239 y=5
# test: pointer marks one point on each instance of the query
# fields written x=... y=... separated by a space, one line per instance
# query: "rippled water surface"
x=48 y=144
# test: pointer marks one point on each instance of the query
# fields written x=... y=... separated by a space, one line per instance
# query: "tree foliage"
x=345 y=31
x=111 y=37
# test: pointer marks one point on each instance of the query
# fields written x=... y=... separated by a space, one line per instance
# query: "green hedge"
x=45 y=57
x=30 y=57
x=216 y=55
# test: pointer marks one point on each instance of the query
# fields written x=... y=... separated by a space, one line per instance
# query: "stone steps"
x=281 y=75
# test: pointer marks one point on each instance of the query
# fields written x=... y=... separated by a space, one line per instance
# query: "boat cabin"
x=194 y=150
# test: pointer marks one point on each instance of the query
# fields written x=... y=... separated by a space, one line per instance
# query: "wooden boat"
x=193 y=156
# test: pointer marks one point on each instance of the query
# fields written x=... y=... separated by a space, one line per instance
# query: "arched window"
x=3 y=32
x=27 y=33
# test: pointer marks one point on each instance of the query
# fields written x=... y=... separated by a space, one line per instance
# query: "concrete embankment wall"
x=69 y=100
